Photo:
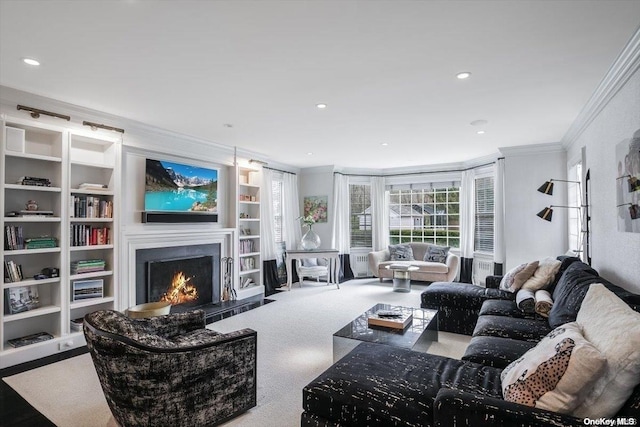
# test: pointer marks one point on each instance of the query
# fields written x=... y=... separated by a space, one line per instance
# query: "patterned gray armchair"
x=170 y=370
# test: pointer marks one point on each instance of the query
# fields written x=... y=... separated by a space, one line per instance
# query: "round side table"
x=402 y=276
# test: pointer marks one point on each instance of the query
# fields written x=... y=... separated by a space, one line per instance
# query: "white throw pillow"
x=614 y=329
x=544 y=274
x=513 y=280
x=555 y=374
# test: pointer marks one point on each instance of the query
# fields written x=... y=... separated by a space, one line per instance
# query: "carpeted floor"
x=294 y=346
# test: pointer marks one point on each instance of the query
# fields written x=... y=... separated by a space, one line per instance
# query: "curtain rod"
x=278 y=170
x=417 y=173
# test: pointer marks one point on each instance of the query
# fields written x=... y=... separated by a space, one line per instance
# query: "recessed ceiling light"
x=478 y=122
x=463 y=75
x=228 y=125
x=384 y=144
x=480 y=132
x=31 y=61
x=321 y=106
x=309 y=153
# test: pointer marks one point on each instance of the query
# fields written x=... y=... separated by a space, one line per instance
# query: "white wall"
x=615 y=254
x=527 y=237
x=318 y=182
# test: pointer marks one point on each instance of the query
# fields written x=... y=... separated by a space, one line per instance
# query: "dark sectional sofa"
x=377 y=385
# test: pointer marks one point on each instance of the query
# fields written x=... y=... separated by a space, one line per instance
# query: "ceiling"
x=250 y=73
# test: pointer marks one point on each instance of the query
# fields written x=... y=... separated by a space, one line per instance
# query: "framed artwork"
x=628 y=184
x=21 y=298
x=316 y=207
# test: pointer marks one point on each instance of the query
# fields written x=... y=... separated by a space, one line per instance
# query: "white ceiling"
x=386 y=70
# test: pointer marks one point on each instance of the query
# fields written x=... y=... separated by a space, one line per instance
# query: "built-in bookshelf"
x=249 y=230
x=45 y=168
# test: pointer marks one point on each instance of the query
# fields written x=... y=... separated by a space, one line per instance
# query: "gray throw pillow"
x=436 y=253
x=401 y=252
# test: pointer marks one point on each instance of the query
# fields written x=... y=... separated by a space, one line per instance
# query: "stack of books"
x=390 y=319
x=32 y=180
x=26 y=213
x=87 y=266
x=90 y=186
x=30 y=339
x=12 y=271
x=40 y=242
x=88 y=235
x=91 y=207
x=13 y=239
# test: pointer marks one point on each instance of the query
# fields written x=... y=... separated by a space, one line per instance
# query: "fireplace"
x=185 y=282
x=186 y=276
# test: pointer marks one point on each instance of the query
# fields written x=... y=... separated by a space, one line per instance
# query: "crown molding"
x=524 y=150
x=625 y=66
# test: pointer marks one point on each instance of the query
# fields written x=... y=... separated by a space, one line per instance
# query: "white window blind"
x=360 y=215
x=484 y=214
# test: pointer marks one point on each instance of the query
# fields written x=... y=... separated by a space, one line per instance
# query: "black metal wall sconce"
x=547 y=213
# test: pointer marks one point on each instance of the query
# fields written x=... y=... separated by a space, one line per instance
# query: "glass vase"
x=310 y=240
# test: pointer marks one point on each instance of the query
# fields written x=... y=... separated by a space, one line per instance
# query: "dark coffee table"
x=417 y=336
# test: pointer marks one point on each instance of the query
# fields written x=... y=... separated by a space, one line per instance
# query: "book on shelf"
x=13 y=272
x=91 y=207
x=92 y=186
x=32 y=180
x=247 y=282
x=89 y=235
x=87 y=266
x=76 y=324
x=30 y=339
x=40 y=242
x=13 y=239
x=390 y=319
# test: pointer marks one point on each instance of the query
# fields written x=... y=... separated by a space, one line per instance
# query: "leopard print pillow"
x=554 y=375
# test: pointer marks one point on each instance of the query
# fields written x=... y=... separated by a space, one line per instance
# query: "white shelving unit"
x=67 y=158
x=249 y=227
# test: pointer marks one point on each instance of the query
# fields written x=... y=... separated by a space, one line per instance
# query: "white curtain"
x=267 y=244
x=379 y=214
x=499 y=254
x=291 y=211
x=467 y=225
x=341 y=231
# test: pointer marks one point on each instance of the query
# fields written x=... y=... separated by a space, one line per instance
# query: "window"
x=574 y=215
x=425 y=215
x=276 y=190
x=360 y=215
x=484 y=214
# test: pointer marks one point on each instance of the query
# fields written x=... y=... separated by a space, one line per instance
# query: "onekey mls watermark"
x=619 y=421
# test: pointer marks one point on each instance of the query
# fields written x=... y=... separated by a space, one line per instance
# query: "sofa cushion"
x=379 y=385
x=614 y=329
x=556 y=374
x=401 y=252
x=507 y=327
x=436 y=253
x=495 y=351
x=544 y=275
x=500 y=307
x=462 y=295
x=515 y=278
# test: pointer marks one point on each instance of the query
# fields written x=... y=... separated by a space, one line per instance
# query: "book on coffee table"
x=390 y=319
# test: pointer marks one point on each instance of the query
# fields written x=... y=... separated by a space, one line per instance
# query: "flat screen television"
x=175 y=192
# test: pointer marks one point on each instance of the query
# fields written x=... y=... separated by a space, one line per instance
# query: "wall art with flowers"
x=316 y=207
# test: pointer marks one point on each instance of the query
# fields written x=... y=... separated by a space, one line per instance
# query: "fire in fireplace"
x=186 y=282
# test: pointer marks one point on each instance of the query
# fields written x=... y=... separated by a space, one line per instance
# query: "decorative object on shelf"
x=21 y=298
x=86 y=289
x=32 y=205
x=628 y=184
x=228 y=293
x=316 y=207
x=310 y=240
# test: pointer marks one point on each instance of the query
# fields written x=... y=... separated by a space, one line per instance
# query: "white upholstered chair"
x=312 y=267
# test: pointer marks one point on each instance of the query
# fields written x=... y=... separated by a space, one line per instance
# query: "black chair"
x=170 y=370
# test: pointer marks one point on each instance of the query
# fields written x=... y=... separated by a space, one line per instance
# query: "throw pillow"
x=436 y=253
x=544 y=275
x=614 y=328
x=556 y=374
x=309 y=262
x=513 y=280
x=401 y=252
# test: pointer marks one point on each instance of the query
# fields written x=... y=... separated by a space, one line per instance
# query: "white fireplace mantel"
x=160 y=237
